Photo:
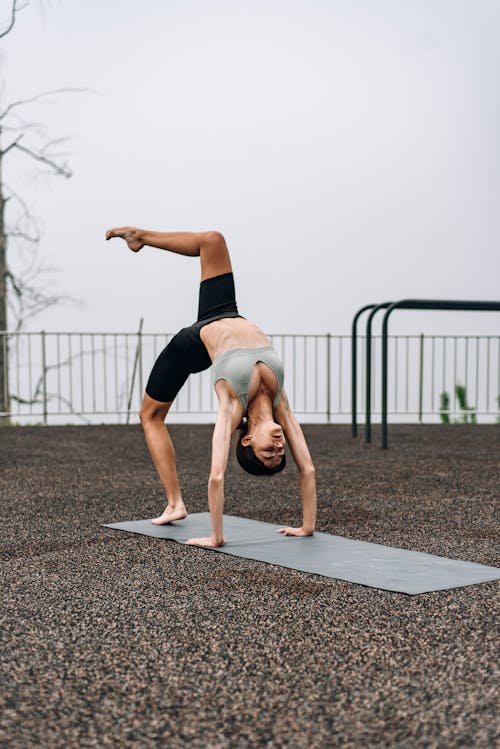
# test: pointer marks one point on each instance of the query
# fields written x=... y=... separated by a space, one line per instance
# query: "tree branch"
x=12 y=21
x=37 y=400
x=63 y=171
x=13 y=195
x=22 y=125
x=27 y=300
x=15 y=286
x=33 y=99
x=22 y=235
x=12 y=145
x=25 y=226
x=14 y=10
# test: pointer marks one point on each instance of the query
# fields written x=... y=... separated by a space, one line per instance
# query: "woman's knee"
x=152 y=410
x=213 y=238
x=214 y=255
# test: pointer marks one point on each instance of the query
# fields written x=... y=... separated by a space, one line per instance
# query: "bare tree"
x=20 y=293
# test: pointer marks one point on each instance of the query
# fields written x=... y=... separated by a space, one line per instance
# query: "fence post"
x=421 y=378
x=137 y=360
x=4 y=380
x=328 y=377
x=44 y=378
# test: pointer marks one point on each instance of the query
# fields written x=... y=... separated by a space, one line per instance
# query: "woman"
x=248 y=380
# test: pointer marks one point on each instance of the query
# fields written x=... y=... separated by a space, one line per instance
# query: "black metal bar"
x=354 y=368
x=430 y=304
x=368 y=382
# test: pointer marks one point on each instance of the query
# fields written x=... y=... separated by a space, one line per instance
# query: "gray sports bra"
x=236 y=366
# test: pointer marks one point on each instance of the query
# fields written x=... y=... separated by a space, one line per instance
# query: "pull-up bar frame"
x=354 y=368
x=422 y=304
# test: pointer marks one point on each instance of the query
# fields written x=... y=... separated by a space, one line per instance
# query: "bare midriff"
x=231 y=333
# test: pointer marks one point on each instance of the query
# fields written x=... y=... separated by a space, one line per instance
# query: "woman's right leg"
x=209 y=246
x=162 y=451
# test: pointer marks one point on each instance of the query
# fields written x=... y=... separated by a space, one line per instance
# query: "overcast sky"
x=347 y=149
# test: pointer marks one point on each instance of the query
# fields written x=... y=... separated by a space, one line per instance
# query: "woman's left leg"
x=184 y=355
x=162 y=451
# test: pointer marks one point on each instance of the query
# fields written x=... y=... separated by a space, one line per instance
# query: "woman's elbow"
x=216 y=479
x=308 y=470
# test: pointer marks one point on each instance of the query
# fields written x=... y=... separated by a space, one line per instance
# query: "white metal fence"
x=89 y=377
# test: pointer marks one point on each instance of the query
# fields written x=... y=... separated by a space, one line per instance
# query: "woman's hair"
x=249 y=461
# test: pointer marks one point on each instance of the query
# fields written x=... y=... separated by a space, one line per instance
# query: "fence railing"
x=89 y=377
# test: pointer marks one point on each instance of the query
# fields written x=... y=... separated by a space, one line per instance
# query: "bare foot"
x=171 y=513
x=206 y=542
x=131 y=236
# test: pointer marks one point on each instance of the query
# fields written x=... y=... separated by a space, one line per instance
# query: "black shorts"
x=186 y=352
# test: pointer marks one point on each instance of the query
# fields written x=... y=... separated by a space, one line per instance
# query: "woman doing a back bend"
x=248 y=381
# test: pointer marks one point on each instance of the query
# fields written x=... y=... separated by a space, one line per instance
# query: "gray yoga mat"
x=386 y=567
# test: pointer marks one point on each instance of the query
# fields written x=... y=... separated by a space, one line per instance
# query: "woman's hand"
x=211 y=542
x=295 y=531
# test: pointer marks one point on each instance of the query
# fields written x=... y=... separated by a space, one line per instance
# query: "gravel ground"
x=117 y=640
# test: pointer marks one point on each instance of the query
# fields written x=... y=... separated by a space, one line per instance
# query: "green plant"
x=468 y=415
x=444 y=405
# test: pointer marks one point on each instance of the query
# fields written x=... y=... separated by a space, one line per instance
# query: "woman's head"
x=261 y=450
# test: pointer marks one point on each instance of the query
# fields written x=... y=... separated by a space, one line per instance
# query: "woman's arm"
x=221 y=442
x=307 y=475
